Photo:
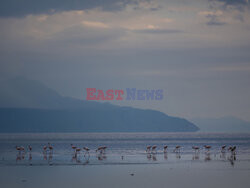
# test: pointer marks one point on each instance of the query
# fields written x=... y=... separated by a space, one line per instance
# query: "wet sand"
x=175 y=175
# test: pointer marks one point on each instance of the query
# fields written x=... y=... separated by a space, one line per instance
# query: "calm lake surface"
x=122 y=148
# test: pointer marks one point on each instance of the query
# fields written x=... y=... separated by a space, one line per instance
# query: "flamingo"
x=45 y=149
x=73 y=147
x=50 y=147
x=21 y=151
x=232 y=149
x=22 y=148
x=30 y=148
x=18 y=148
x=148 y=148
x=207 y=147
x=20 y=155
x=78 y=150
x=223 y=148
x=165 y=148
x=232 y=158
x=101 y=149
x=154 y=148
x=86 y=149
x=104 y=148
x=196 y=148
x=177 y=148
x=101 y=155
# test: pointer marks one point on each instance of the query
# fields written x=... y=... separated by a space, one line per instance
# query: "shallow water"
x=123 y=148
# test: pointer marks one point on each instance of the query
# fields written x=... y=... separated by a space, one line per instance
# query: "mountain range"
x=29 y=106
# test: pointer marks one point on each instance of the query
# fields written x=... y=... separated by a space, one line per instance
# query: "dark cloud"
x=231 y=4
x=214 y=20
x=234 y=2
x=17 y=8
x=158 y=31
x=226 y=6
x=155 y=9
x=215 y=23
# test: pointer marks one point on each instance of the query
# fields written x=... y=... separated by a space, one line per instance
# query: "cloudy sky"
x=196 y=50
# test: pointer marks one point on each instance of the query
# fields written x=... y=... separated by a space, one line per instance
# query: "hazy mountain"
x=224 y=124
x=29 y=106
x=83 y=120
x=24 y=93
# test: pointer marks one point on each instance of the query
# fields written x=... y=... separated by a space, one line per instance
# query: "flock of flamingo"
x=151 y=152
x=48 y=150
x=177 y=149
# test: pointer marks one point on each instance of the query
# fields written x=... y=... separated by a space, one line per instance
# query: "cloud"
x=147 y=5
x=70 y=45
x=210 y=13
x=229 y=4
x=234 y=9
x=154 y=30
x=95 y=24
x=214 y=18
x=19 y=8
x=215 y=22
x=233 y=3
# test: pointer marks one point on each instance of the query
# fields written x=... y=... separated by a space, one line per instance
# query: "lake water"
x=122 y=148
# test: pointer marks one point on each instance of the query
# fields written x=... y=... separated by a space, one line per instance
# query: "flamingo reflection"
x=166 y=156
x=154 y=157
x=207 y=156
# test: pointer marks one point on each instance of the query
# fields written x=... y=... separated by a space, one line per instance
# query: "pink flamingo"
x=22 y=148
x=86 y=150
x=104 y=148
x=21 y=151
x=196 y=148
x=207 y=147
x=73 y=147
x=165 y=148
x=30 y=148
x=50 y=147
x=148 y=148
x=101 y=149
x=232 y=149
x=223 y=148
x=18 y=148
x=154 y=148
x=44 y=149
x=78 y=150
x=98 y=149
x=177 y=149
